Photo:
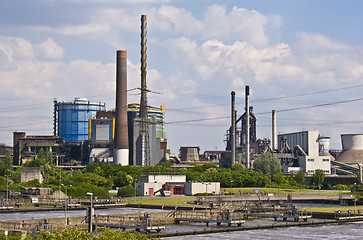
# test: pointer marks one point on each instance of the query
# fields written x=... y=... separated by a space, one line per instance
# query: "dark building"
x=26 y=148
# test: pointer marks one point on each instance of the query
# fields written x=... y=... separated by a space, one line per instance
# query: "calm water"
x=346 y=231
x=71 y=213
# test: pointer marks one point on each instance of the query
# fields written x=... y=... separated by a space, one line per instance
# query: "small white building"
x=151 y=184
x=154 y=184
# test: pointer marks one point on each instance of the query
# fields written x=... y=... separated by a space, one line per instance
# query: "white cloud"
x=319 y=42
x=50 y=49
x=92 y=30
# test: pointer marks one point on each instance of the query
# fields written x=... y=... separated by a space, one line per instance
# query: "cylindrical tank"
x=352 y=149
x=72 y=118
x=324 y=143
x=352 y=141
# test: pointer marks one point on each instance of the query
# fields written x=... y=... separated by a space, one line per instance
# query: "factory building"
x=102 y=132
x=153 y=184
x=71 y=119
x=304 y=151
x=133 y=112
x=27 y=148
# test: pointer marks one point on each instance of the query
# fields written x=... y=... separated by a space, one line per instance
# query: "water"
x=71 y=213
x=345 y=231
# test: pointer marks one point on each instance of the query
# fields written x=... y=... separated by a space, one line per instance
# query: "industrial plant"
x=134 y=134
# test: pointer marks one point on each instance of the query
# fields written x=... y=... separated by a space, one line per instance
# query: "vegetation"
x=73 y=233
x=318 y=177
x=99 y=178
x=268 y=164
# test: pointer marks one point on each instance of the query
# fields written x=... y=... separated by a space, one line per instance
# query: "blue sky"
x=293 y=54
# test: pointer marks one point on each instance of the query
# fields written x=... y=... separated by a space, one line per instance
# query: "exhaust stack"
x=233 y=130
x=274 y=135
x=121 y=146
x=248 y=127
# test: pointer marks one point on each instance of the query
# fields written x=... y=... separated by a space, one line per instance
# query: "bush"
x=126 y=191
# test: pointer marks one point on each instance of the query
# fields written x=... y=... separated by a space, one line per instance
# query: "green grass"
x=280 y=191
x=165 y=201
x=344 y=209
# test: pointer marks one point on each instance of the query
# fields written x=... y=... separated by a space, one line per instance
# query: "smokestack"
x=233 y=130
x=143 y=100
x=247 y=127
x=274 y=134
x=121 y=148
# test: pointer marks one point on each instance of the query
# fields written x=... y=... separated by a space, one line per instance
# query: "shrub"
x=126 y=191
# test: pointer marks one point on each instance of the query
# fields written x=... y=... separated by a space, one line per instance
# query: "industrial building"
x=153 y=184
x=71 y=119
x=102 y=132
x=304 y=151
x=4 y=149
x=26 y=148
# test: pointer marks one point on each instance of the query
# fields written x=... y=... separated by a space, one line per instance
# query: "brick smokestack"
x=121 y=149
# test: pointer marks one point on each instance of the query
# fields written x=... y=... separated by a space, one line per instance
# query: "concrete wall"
x=162 y=178
x=148 y=189
x=28 y=174
x=192 y=188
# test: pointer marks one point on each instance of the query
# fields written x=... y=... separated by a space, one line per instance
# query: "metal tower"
x=143 y=151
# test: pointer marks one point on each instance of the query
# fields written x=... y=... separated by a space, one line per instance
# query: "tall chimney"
x=143 y=100
x=233 y=130
x=247 y=127
x=121 y=148
x=274 y=135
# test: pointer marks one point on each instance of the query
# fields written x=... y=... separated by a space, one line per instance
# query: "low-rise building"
x=158 y=184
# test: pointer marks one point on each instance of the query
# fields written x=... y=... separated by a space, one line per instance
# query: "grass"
x=281 y=191
x=182 y=201
x=344 y=209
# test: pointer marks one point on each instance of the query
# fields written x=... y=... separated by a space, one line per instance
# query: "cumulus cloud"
x=50 y=49
x=316 y=41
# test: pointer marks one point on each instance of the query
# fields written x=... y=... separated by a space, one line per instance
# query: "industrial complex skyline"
x=301 y=58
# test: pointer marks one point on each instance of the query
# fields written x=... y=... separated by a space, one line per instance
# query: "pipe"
x=121 y=146
x=233 y=130
x=247 y=127
x=274 y=135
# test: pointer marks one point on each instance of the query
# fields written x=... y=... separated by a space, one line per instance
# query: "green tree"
x=267 y=163
x=279 y=179
x=318 y=177
x=6 y=166
x=300 y=178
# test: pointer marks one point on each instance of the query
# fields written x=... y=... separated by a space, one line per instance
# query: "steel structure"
x=143 y=153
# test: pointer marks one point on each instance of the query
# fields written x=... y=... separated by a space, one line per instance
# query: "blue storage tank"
x=71 y=119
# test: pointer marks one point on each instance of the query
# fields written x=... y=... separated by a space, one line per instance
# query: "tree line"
x=99 y=178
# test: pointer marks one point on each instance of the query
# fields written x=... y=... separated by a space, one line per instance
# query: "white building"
x=311 y=150
x=154 y=184
x=192 y=188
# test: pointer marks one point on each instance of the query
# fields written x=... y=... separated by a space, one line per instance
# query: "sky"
x=302 y=58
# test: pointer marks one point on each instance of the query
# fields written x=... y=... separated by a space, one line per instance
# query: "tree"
x=318 y=177
x=267 y=163
x=279 y=179
x=6 y=166
x=300 y=178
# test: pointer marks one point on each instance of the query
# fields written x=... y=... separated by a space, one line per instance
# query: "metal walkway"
x=208 y=217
